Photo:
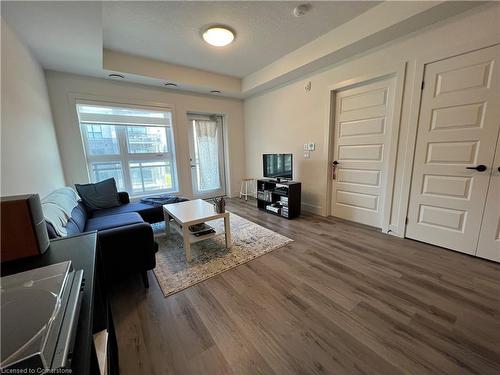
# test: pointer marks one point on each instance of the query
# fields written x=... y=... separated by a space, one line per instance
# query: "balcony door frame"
x=222 y=155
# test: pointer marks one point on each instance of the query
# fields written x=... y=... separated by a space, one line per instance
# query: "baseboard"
x=318 y=210
x=394 y=231
x=237 y=195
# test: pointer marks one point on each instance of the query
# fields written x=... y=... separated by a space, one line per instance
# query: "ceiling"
x=63 y=35
x=159 y=41
x=265 y=30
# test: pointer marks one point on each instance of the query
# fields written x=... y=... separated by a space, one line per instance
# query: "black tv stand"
x=279 y=198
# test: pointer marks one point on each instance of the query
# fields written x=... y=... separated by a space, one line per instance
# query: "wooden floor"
x=341 y=299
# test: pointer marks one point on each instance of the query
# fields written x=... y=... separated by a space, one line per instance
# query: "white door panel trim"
x=398 y=225
x=452 y=216
x=365 y=150
x=489 y=237
x=398 y=71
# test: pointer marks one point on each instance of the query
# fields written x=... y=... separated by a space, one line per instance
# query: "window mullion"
x=122 y=139
x=142 y=178
x=170 y=156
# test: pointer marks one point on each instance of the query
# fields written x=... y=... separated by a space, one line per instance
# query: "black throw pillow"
x=99 y=195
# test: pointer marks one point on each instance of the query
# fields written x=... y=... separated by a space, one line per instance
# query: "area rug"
x=210 y=257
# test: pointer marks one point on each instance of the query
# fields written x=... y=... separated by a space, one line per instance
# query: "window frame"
x=124 y=157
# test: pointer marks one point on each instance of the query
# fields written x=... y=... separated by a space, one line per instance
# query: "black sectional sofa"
x=124 y=233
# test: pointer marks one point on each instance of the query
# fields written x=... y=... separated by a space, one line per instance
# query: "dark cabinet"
x=279 y=198
x=95 y=314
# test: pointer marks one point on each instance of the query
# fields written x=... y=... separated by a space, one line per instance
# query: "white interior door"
x=457 y=131
x=489 y=237
x=207 y=156
x=363 y=123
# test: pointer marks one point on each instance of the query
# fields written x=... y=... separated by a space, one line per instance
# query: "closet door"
x=489 y=239
x=457 y=133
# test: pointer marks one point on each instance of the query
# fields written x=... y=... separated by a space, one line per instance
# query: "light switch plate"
x=311 y=146
x=306 y=146
x=306 y=154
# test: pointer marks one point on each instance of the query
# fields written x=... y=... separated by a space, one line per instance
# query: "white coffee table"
x=185 y=214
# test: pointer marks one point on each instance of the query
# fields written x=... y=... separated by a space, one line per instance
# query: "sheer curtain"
x=207 y=152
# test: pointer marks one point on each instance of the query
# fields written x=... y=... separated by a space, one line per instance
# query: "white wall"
x=282 y=120
x=30 y=156
x=64 y=88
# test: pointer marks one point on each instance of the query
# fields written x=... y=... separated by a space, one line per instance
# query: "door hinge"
x=422 y=85
x=406 y=221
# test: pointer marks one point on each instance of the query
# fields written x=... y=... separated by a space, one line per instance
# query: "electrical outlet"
x=311 y=146
x=306 y=154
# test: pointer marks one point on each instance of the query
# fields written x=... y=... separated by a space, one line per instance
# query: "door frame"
x=398 y=72
x=223 y=154
x=408 y=157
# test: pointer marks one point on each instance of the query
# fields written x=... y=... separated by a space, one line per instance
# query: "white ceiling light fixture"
x=218 y=35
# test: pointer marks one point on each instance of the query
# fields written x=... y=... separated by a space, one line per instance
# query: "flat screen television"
x=278 y=165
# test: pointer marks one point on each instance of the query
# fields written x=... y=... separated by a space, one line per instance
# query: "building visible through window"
x=134 y=146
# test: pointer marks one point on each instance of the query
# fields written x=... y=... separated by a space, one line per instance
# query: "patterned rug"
x=210 y=257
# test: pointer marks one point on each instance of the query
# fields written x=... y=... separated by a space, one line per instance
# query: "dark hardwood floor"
x=341 y=299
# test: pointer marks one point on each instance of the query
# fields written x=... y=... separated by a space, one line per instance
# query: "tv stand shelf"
x=284 y=195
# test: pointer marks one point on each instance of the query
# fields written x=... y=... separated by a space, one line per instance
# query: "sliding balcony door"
x=206 y=146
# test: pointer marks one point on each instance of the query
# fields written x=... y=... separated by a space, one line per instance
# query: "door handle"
x=334 y=169
x=479 y=168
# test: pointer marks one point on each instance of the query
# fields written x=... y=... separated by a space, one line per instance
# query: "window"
x=103 y=171
x=134 y=146
x=101 y=140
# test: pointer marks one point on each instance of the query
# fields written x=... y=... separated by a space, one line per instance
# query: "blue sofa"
x=124 y=233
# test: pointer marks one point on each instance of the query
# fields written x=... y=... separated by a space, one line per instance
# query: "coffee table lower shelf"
x=192 y=238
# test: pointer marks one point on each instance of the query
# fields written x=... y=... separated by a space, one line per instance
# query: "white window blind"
x=133 y=145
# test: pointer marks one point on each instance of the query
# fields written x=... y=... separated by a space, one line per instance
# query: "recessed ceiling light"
x=114 y=75
x=215 y=91
x=171 y=84
x=218 y=36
